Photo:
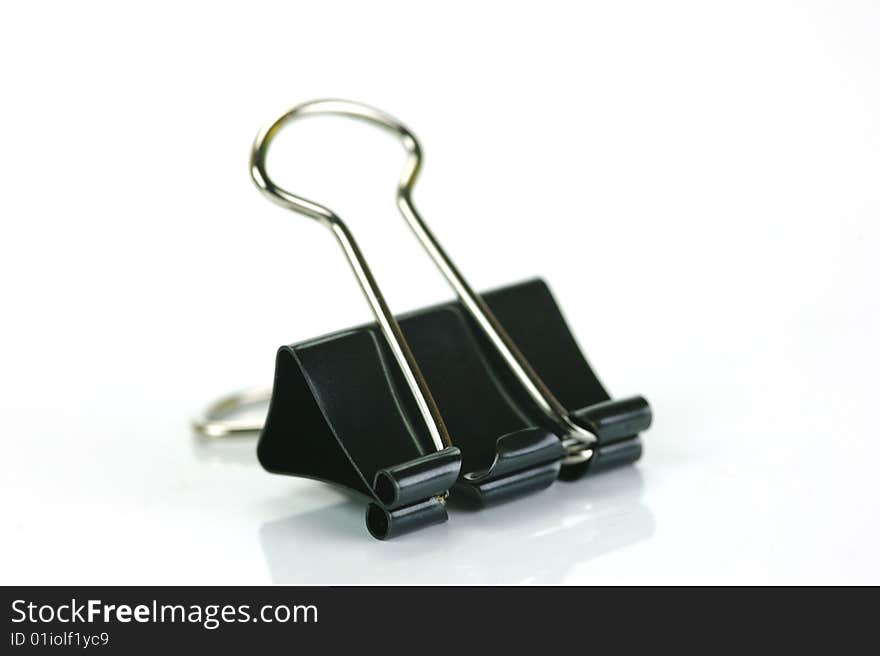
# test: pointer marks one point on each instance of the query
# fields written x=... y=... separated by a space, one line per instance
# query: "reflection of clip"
x=373 y=408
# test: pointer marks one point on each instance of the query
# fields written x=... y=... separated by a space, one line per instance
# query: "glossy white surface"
x=698 y=185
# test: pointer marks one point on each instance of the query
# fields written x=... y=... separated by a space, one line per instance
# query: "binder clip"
x=478 y=400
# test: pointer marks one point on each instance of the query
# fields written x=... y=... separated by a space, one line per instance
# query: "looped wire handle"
x=327 y=217
x=576 y=438
x=218 y=419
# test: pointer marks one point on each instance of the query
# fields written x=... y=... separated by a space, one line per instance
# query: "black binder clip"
x=478 y=400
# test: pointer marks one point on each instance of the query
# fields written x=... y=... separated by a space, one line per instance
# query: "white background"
x=698 y=182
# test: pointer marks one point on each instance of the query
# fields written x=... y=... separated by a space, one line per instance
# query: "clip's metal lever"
x=387 y=323
x=576 y=439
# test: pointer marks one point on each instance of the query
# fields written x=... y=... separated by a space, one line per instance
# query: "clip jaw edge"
x=412 y=495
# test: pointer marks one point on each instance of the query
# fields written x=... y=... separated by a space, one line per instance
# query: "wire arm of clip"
x=387 y=323
x=576 y=439
x=219 y=418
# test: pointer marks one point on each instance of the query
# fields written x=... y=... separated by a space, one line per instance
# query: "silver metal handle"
x=324 y=215
x=576 y=439
x=218 y=420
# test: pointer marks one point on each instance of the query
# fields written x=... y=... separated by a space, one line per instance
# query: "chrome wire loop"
x=576 y=439
x=327 y=217
x=218 y=419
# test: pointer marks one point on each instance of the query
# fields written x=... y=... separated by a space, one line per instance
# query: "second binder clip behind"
x=480 y=400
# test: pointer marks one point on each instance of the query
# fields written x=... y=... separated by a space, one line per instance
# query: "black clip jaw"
x=340 y=412
x=334 y=417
